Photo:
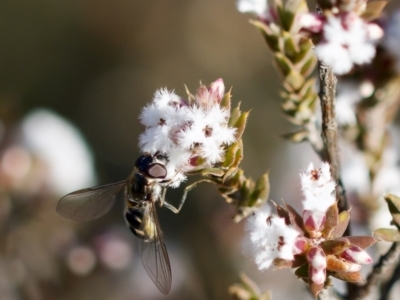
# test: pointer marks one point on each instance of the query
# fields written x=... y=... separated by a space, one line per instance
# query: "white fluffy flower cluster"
x=318 y=189
x=347 y=40
x=269 y=238
x=191 y=133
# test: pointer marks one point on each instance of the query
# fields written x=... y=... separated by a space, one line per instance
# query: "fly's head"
x=152 y=166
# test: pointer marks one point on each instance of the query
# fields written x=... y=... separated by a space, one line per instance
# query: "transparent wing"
x=153 y=251
x=88 y=204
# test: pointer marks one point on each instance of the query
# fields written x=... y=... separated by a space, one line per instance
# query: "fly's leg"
x=183 y=199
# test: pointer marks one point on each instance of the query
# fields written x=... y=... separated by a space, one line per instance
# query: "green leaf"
x=387 y=235
x=302 y=272
x=261 y=190
x=394 y=207
x=294 y=79
x=308 y=66
x=226 y=101
x=270 y=37
x=235 y=114
x=212 y=172
x=230 y=155
x=296 y=137
x=240 y=124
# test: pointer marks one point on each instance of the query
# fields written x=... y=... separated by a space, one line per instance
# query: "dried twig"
x=330 y=133
x=387 y=287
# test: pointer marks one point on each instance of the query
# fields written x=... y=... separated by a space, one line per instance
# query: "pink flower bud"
x=310 y=22
x=313 y=220
x=317 y=258
x=316 y=276
x=217 y=90
x=375 y=32
x=356 y=255
x=317 y=261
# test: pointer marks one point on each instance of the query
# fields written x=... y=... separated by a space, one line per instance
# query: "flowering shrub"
x=311 y=242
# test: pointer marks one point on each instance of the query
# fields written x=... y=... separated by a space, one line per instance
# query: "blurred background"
x=74 y=76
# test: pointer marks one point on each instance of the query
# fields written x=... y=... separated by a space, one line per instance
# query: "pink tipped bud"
x=317 y=258
x=356 y=255
x=313 y=220
x=375 y=32
x=317 y=261
x=217 y=90
x=317 y=276
x=310 y=22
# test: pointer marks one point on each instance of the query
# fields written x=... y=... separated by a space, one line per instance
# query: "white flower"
x=62 y=147
x=257 y=7
x=188 y=133
x=347 y=40
x=318 y=188
x=269 y=238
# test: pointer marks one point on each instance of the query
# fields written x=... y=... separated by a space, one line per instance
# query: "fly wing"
x=89 y=204
x=154 y=252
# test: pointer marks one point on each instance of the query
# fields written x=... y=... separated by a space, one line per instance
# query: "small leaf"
x=361 y=241
x=387 y=235
x=284 y=64
x=229 y=174
x=295 y=79
x=282 y=263
x=302 y=272
x=282 y=213
x=394 y=207
x=347 y=276
x=261 y=190
x=235 y=114
x=339 y=230
x=373 y=10
x=296 y=137
x=295 y=219
x=226 y=101
x=308 y=66
x=212 y=172
x=335 y=264
x=270 y=37
x=332 y=219
x=230 y=155
x=333 y=247
x=299 y=260
x=240 y=124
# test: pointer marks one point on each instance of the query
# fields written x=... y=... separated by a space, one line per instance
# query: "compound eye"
x=157 y=171
x=143 y=162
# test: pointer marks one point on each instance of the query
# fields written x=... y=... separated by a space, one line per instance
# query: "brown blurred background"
x=96 y=64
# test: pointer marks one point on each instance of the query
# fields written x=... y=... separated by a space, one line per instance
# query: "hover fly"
x=145 y=186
